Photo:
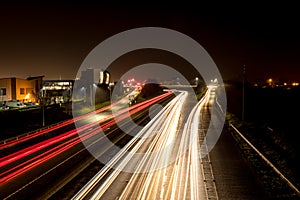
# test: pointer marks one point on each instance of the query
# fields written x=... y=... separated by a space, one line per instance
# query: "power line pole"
x=243 y=100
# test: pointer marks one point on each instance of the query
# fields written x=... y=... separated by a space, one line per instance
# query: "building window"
x=22 y=91
x=2 y=91
x=29 y=90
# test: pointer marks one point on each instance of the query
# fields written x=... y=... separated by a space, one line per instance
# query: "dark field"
x=272 y=115
x=277 y=108
x=20 y=121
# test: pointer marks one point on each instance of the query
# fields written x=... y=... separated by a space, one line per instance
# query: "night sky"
x=53 y=39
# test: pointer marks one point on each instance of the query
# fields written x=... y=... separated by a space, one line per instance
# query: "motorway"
x=46 y=164
x=172 y=160
x=164 y=156
x=170 y=164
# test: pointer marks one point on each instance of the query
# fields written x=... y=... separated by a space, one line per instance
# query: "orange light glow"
x=270 y=80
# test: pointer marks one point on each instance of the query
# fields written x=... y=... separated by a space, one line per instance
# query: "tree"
x=150 y=90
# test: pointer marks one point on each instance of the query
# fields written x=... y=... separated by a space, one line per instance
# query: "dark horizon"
x=53 y=39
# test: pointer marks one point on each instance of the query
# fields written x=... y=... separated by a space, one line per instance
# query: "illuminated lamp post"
x=93 y=87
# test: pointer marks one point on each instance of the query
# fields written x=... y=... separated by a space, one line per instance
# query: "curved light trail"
x=170 y=165
x=13 y=165
x=160 y=123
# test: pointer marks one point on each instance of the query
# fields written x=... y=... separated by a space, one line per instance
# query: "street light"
x=110 y=85
x=91 y=94
x=93 y=87
x=270 y=81
x=110 y=92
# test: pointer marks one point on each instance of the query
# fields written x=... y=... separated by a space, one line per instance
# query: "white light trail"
x=122 y=159
x=170 y=159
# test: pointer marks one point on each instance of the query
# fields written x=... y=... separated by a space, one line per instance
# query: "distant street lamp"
x=270 y=81
x=91 y=94
x=93 y=88
x=110 y=85
x=83 y=94
x=110 y=92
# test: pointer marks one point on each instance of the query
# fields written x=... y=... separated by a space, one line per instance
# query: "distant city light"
x=276 y=83
x=270 y=81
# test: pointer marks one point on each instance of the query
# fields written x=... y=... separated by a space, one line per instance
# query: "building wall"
x=25 y=90
x=5 y=83
x=20 y=89
x=92 y=83
x=97 y=76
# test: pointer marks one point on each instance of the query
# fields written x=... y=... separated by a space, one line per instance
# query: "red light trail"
x=57 y=144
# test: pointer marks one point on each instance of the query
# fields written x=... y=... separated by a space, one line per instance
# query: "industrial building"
x=93 y=86
x=57 y=91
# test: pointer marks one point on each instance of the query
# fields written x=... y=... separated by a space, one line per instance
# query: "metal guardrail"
x=292 y=186
x=266 y=160
x=29 y=133
x=4 y=141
